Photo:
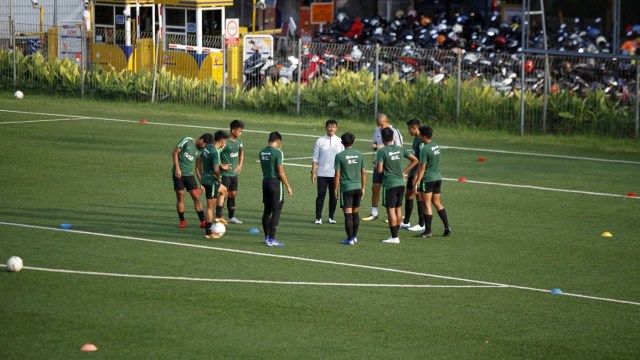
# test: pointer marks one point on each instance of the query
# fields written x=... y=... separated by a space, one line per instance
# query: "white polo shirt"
x=324 y=154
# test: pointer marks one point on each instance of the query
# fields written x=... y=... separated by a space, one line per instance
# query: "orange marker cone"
x=462 y=179
x=88 y=347
x=632 y=194
x=143 y=121
x=481 y=159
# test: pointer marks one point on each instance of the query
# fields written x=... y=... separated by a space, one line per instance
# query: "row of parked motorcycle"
x=471 y=32
x=501 y=71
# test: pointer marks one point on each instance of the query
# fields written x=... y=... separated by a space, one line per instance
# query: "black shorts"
x=272 y=191
x=377 y=177
x=392 y=198
x=351 y=199
x=431 y=187
x=230 y=182
x=211 y=191
x=188 y=182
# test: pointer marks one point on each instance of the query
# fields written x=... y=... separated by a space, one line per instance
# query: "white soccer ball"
x=14 y=264
x=218 y=229
x=18 y=95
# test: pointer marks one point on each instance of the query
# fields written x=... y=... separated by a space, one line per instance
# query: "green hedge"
x=345 y=95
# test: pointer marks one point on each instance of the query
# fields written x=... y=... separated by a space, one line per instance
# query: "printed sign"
x=321 y=13
x=264 y=44
x=232 y=31
x=70 y=42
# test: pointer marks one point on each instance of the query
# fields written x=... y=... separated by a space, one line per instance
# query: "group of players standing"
x=348 y=178
x=216 y=160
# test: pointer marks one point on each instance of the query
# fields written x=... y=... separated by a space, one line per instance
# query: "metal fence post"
x=83 y=58
x=155 y=66
x=13 y=51
x=637 y=98
x=224 y=73
x=522 y=91
x=546 y=86
x=459 y=85
x=299 y=76
x=375 y=101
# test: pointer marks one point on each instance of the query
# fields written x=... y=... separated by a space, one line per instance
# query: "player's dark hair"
x=330 y=122
x=426 y=131
x=274 y=136
x=220 y=134
x=387 y=134
x=413 y=122
x=207 y=138
x=235 y=124
x=348 y=139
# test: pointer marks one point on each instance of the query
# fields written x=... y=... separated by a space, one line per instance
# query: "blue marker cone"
x=556 y=291
x=66 y=226
x=254 y=231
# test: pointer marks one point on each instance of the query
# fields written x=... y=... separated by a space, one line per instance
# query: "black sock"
x=394 y=231
x=231 y=206
x=420 y=213
x=219 y=211
x=427 y=223
x=348 y=225
x=201 y=215
x=208 y=228
x=443 y=216
x=356 y=223
x=408 y=209
x=181 y=216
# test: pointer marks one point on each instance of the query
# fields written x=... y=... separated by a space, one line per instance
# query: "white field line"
x=543 y=155
x=39 y=121
x=316 y=136
x=245 y=281
x=318 y=261
x=514 y=185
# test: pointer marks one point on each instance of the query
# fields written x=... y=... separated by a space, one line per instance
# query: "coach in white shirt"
x=382 y=122
x=322 y=171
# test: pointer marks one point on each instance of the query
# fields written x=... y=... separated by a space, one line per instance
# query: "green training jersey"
x=270 y=158
x=350 y=162
x=391 y=157
x=415 y=149
x=230 y=154
x=430 y=155
x=210 y=157
x=187 y=157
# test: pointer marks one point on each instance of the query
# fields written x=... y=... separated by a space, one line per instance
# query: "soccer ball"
x=18 y=95
x=218 y=229
x=14 y=264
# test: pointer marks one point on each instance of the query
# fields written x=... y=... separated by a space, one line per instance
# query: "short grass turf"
x=111 y=180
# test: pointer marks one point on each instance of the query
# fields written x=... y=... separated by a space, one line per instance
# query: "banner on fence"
x=264 y=44
x=70 y=42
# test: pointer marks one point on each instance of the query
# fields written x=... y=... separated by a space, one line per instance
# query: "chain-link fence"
x=563 y=94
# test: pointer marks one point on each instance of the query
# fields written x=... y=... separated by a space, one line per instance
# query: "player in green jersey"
x=210 y=169
x=273 y=178
x=183 y=173
x=389 y=164
x=232 y=154
x=349 y=181
x=413 y=126
x=429 y=181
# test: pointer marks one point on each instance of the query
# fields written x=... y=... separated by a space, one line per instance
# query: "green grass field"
x=126 y=279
